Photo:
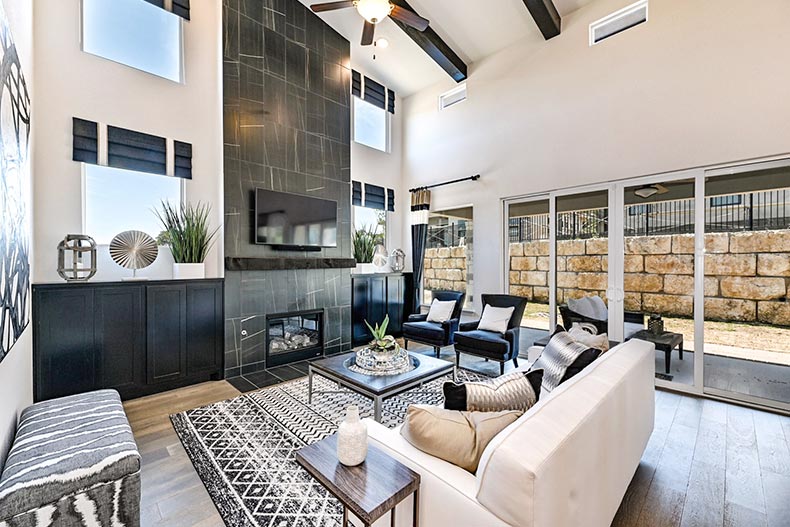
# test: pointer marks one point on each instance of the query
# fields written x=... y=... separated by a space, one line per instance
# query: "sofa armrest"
x=469 y=326
x=418 y=318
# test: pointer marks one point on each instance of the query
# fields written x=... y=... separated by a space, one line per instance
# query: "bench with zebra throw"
x=73 y=462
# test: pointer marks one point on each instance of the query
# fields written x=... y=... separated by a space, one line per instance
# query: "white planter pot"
x=189 y=271
x=367 y=268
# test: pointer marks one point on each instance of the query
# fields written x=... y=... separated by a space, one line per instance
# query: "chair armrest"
x=512 y=336
x=450 y=327
x=469 y=326
x=418 y=318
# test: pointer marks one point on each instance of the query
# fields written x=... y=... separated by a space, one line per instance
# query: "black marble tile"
x=262 y=379
x=286 y=373
x=251 y=42
x=295 y=64
x=230 y=34
x=274 y=53
x=301 y=367
x=242 y=384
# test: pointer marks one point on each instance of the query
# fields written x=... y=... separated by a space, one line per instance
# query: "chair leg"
x=486 y=360
x=515 y=362
x=437 y=350
x=405 y=344
x=501 y=368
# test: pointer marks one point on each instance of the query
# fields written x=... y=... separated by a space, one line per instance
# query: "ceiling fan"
x=651 y=190
x=374 y=11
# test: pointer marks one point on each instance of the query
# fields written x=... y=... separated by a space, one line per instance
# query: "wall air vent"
x=452 y=97
x=619 y=21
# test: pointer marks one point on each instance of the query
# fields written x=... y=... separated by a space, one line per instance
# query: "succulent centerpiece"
x=383 y=355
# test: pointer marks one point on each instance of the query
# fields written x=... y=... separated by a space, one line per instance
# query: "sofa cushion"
x=582 y=361
x=514 y=391
x=64 y=446
x=592 y=340
x=456 y=437
x=485 y=341
x=423 y=330
x=559 y=354
x=589 y=306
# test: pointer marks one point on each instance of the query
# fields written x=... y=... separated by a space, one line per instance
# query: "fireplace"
x=291 y=337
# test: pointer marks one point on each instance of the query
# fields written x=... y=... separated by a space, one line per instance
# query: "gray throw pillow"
x=556 y=357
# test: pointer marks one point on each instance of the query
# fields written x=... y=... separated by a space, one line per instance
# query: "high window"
x=121 y=200
x=371 y=125
x=134 y=33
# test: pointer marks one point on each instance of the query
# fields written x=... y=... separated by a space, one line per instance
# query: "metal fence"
x=751 y=211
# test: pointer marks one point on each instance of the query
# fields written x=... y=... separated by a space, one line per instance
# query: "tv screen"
x=289 y=220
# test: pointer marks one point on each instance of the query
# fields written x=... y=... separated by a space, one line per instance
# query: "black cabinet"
x=373 y=297
x=138 y=338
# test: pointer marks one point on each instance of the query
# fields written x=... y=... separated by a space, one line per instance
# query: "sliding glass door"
x=747 y=283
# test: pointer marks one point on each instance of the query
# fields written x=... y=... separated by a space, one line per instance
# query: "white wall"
x=379 y=168
x=701 y=83
x=16 y=370
x=76 y=84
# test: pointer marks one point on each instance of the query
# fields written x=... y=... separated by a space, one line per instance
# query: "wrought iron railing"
x=750 y=211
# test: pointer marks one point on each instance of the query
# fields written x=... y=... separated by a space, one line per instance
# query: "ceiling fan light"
x=374 y=11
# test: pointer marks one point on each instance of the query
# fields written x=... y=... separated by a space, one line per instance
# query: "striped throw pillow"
x=515 y=391
x=558 y=355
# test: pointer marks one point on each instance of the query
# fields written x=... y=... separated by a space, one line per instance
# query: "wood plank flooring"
x=707 y=464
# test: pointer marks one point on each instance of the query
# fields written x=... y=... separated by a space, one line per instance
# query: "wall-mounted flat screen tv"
x=290 y=221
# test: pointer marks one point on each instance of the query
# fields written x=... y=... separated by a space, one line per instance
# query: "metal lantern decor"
x=655 y=324
x=133 y=250
x=77 y=258
x=398 y=260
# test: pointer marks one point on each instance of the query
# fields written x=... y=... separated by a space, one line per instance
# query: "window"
x=121 y=200
x=134 y=33
x=452 y=97
x=371 y=219
x=371 y=125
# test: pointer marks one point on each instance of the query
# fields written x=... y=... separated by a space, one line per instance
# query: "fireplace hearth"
x=292 y=337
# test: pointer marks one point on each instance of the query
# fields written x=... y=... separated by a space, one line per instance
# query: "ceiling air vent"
x=452 y=97
x=617 y=22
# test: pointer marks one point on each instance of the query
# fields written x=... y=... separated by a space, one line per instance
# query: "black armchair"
x=418 y=329
x=488 y=344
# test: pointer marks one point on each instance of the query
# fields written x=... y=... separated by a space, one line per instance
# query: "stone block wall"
x=747 y=274
x=446 y=268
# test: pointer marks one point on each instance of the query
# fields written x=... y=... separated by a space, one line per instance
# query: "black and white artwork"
x=14 y=193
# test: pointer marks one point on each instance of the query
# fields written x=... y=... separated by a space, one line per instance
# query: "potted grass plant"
x=364 y=242
x=186 y=231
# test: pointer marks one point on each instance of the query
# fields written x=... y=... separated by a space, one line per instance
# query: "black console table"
x=138 y=337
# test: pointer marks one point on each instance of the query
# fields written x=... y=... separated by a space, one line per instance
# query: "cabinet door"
x=395 y=303
x=166 y=322
x=120 y=337
x=359 y=310
x=377 y=300
x=65 y=358
x=204 y=327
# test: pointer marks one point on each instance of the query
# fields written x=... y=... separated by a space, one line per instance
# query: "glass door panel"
x=582 y=261
x=747 y=275
x=659 y=273
x=528 y=260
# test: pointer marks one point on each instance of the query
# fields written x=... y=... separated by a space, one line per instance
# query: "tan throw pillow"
x=456 y=437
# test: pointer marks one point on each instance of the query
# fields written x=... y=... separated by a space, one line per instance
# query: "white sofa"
x=567 y=462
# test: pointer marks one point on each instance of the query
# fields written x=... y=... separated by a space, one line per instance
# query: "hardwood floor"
x=707 y=464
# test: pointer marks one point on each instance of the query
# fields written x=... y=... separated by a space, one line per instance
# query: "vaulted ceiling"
x=474 y=29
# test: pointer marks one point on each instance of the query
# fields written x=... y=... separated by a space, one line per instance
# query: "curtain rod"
x=470 y=178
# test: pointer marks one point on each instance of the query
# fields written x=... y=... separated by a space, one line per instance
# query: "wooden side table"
x=369 y=490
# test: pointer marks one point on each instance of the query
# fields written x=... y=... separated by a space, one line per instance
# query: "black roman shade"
x=183 y=159
x=136 y=151
x=375 y=93
x=375 y=197
x=390 y=200
x=181 y=8
x=356 y=83
x=85 y=145
x=356 y=193
x=390 y=101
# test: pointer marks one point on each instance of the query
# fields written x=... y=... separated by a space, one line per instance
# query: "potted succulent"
x=187 y=233
x=383 y=356
x=382 y=342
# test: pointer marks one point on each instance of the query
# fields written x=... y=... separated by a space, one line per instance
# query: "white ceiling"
x=474 y=29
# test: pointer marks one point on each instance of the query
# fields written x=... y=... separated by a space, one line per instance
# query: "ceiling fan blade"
x=367 y=33
x=409 y=18
x=331 y=6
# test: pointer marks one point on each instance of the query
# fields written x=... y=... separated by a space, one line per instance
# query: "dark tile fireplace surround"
x=286 y=128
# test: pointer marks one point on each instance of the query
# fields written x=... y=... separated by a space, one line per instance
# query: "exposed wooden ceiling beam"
x=546 y=17
x=434 y=46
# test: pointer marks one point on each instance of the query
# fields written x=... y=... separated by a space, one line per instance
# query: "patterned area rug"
x=244 y=448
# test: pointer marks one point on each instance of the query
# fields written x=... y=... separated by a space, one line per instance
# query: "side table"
x=665 y=341
x=369 y=490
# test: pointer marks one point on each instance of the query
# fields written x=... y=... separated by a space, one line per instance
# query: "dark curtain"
x=419 y=239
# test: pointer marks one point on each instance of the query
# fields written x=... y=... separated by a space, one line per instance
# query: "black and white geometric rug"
x=244 y=449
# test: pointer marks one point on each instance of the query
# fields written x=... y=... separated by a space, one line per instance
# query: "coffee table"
x=665 y=341
x=377 y=387
x=369 y=490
